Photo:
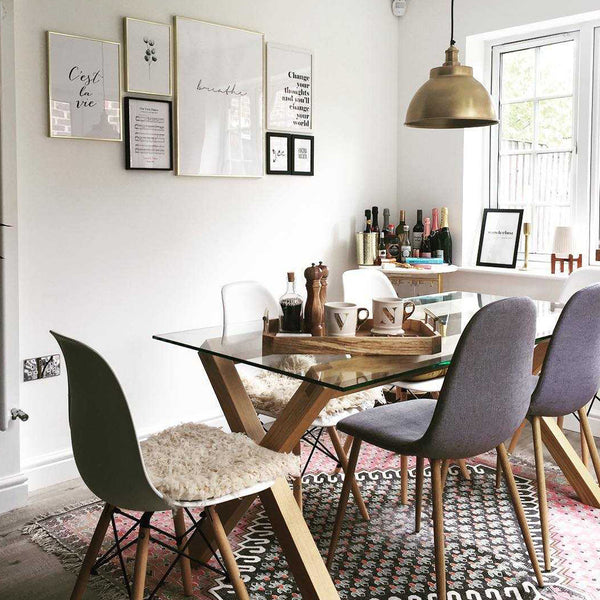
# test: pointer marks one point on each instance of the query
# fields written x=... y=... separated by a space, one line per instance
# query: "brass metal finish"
x=451 y=99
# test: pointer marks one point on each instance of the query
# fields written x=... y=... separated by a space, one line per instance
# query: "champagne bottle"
x=400 y=228
x=417 y=237
x=435 y=226
x=375 y=226
x=444 y=239
x=405 y=248
x=368 y=228
x=386 y=221
x=426 y=243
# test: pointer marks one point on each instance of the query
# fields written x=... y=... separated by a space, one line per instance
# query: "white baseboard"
x=572 y=424
x=56 y=467
x=13 y=492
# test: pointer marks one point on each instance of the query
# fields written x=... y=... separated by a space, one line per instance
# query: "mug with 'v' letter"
x=389 y=314
x=342 y=319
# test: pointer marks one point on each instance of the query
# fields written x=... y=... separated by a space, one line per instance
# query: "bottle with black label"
x=417 y=235
x=444 y=239
x=392 y=244
x=382 y=252
x=405 y=249
x=368 y=226
x=426 y=243
x=375 y=225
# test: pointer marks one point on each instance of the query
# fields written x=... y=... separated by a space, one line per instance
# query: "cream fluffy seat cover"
x=194 y=462
x=270 y=392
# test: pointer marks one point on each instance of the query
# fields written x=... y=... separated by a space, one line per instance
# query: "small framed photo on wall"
x=303 y=155
x=148 y=134
x=278 y=154
x=148 y=57
x=500 y=235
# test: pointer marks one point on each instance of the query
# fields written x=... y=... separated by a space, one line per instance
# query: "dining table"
x=333 y=375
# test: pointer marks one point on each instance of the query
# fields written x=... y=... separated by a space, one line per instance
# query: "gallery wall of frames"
x=200 y=97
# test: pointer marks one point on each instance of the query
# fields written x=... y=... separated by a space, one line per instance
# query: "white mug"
x=342 y=319
x=390 y=313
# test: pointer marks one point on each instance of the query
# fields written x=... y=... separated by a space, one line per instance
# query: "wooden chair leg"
x=516 y=437
x=560 y=421
x=419 y=492
x=228 y=558
x=438 y=528
x=498 y=471
x=347 y=446
x=184 y=562
x=343 y=458
x=141 y=559
x=354 y=453
x=591 y=442
x=514 y=494
x=298 y=480
x=404 y=479
x=541 y=487
x=585 y=452
x=445 y=467
x=92 y=552
x=462 y=463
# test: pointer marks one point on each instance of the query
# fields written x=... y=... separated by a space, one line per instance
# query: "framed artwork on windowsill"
x=278 y=154
x=303 y=155
x=500 y=236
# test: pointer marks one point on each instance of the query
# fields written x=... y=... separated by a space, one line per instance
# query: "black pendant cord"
x=452 y=40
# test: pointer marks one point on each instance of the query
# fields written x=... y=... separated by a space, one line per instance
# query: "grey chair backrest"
x=571 y=373
x=105 y=445
x=487 y=389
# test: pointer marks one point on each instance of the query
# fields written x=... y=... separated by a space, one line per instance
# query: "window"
x=533 y=161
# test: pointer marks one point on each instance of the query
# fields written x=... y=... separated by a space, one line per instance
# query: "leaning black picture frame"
x=294 y=168
x=284 y=141
x=128 y=139
x=500 y=237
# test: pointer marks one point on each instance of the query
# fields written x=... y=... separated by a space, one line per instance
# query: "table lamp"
x=563 y=250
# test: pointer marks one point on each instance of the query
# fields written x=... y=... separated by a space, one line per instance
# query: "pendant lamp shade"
x=451 y=99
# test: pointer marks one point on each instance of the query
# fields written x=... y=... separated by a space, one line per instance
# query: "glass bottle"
x=417 y=236
x=386 y=221
x=368 y=228
x=405 y=248
x=444 y=239
x=426 y=243
x=392 y=244
x=401 y=224
x=375 y=226
x=435 y=227
x=290 y=320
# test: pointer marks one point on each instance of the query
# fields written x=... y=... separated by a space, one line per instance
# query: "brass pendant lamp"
x=452 y=98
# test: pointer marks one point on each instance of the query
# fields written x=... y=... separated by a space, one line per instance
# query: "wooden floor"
x=29 y=573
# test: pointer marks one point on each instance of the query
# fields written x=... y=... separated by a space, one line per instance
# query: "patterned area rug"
x=382 y=559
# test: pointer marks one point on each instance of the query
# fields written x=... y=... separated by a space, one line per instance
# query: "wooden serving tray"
x=419 y=338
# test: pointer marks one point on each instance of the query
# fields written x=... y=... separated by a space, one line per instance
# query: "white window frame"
x=585 y=197
x=594 y=212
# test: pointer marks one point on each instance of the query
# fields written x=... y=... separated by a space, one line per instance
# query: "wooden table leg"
x=299 y=547
x=568 y=460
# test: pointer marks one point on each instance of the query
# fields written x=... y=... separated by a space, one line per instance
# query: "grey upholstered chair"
x=128 y=477
x=569 y=379
x=485 y=397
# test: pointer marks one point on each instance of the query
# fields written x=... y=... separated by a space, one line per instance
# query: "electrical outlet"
x=41 y=368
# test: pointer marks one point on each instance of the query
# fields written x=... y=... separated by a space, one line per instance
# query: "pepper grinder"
x=313 y=313
x=323 y=290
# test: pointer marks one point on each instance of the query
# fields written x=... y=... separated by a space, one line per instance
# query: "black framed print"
x=303 y=155
x=278 y=154
x=148 y=134
x=500 y=235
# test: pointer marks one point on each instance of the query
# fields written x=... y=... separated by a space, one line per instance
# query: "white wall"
x=111 y=256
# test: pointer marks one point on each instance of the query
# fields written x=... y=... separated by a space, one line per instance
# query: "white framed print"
x=278 y=154
x=500 y=235
x=289 y=88
x=147 y=57
x=84 y=88
x=219 y=107
x=303 y=155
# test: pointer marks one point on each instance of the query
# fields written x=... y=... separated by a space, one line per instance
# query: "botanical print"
x=150 y=55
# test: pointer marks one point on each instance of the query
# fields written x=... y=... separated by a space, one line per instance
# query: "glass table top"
x=452 y=310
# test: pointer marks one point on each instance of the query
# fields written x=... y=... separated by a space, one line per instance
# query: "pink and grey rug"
x=382 y=559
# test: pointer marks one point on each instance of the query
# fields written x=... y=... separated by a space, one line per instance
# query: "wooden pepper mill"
x=323 y=290
x=313 y=312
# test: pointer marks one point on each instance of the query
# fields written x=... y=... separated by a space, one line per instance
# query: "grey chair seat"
x=394 y=427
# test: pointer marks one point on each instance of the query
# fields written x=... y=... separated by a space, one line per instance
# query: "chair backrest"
x=105 y=446
x=245 y=301
x=486 y=392
x=571 y=372
x=362 y=285
x=579 y=279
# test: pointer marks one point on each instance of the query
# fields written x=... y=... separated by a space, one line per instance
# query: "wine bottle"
x=382 y=253
x=435 y=227
x=400 y=228
x=375 y=226
x=405 y=248
x=290 y=320
x=444 y=239
x=426 y=243
x=368 y=228
x=386 y=221
x=417 y=237
x=392 y=244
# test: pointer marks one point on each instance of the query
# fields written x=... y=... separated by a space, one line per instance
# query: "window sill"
x=540 y=272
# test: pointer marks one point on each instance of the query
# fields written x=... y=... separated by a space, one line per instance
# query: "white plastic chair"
x=246 y=301
x=110 y=461
x=579 y=279
x=362 y=285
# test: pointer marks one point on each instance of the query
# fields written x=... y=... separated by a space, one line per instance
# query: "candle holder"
x=527 y=234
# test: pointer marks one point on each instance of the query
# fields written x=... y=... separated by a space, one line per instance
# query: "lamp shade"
x=564 y=243
x=451 y=99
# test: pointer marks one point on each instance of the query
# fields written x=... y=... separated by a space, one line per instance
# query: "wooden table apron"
x=286 y=518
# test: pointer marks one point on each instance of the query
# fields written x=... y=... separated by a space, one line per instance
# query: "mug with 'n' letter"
x=389 y=314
